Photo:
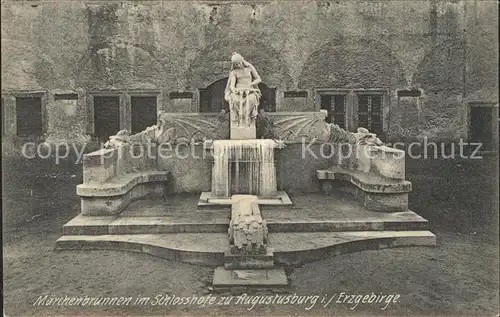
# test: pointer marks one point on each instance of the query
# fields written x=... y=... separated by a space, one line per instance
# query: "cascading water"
x=255 y=158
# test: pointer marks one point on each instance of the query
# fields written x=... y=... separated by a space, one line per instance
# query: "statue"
x=243 y=94
x=364 y=137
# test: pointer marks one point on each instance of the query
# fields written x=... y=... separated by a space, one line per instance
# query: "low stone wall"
x=373 y=159
x=114 y=177
x=175 y=145
x=113 y=205
x=99 y=166
x=375 y=175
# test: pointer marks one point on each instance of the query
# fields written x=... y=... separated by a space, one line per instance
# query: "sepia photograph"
x=250 y=158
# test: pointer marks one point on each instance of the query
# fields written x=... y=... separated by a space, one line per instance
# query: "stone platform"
x=315 y=227
x=274 y=277
x=281 y=199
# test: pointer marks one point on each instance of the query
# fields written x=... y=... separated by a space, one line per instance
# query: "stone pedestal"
x=243 y=133
x=242 y=114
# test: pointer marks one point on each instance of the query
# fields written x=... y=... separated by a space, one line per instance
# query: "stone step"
x=209 y=248
x=280 y=201
x=218 y=222
x=192 y=223
x=272 y=277
x=249 y=261
x=304 y=247
x=345 y=217
x=195 y=248
x=313 y=225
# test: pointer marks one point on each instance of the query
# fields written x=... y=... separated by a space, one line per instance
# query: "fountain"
x=241 y=173
x=243 y=164
x=255 y=158
x=244 y=175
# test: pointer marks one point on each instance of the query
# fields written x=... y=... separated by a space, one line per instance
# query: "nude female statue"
x=242 y=92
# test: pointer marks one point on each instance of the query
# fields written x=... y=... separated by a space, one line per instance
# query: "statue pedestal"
x=243 y=133
x=243 y=107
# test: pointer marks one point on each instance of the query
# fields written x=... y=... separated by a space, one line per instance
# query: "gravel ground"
x=459 y=277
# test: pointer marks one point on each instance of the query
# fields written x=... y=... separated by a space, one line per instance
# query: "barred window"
x=350 y=109
x=370 y=113
x=335 y=105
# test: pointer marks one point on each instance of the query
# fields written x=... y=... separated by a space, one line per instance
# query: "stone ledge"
x=280 y=200
x=121 y=184
x=366 y=182
x=289 y=252
x=289 y=248
x=276 y=222
x=113 y=205
x=206 y=249
x=100 y=225
x=99 y=166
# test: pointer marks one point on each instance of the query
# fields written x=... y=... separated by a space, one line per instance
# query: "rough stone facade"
x=446 y=50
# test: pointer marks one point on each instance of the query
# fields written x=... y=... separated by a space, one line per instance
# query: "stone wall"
x=445 y=49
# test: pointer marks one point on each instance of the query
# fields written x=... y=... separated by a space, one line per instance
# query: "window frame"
x=495 y=122
x=383 y=95
x=91 y=110
x=352 y=102
x=127 y=105
x=43 y=95
x=335 y=92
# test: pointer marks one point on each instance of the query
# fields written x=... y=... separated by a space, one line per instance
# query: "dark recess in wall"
x=66 y=97
x=409 y=93
x=180 y=95
x=295 y=94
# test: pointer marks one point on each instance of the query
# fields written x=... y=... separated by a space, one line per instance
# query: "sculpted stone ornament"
x=339 y=135
x=297 y=127
x=247 y=230
x=364 y=137
x=176 y=128
x=117 y=140
x=154 y=134
x=243 y=95
x=248 y=234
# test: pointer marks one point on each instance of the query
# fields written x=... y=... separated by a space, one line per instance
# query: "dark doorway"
x=143 y=112
x=29 y=117
x=481 y=126
x=212 y=97
x=106 y=116
x=268 y=99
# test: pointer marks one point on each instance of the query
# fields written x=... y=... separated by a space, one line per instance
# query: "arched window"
x=212 y=97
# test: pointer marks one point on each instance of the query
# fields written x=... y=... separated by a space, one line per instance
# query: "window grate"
x=335 y=105
x=369 y=114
